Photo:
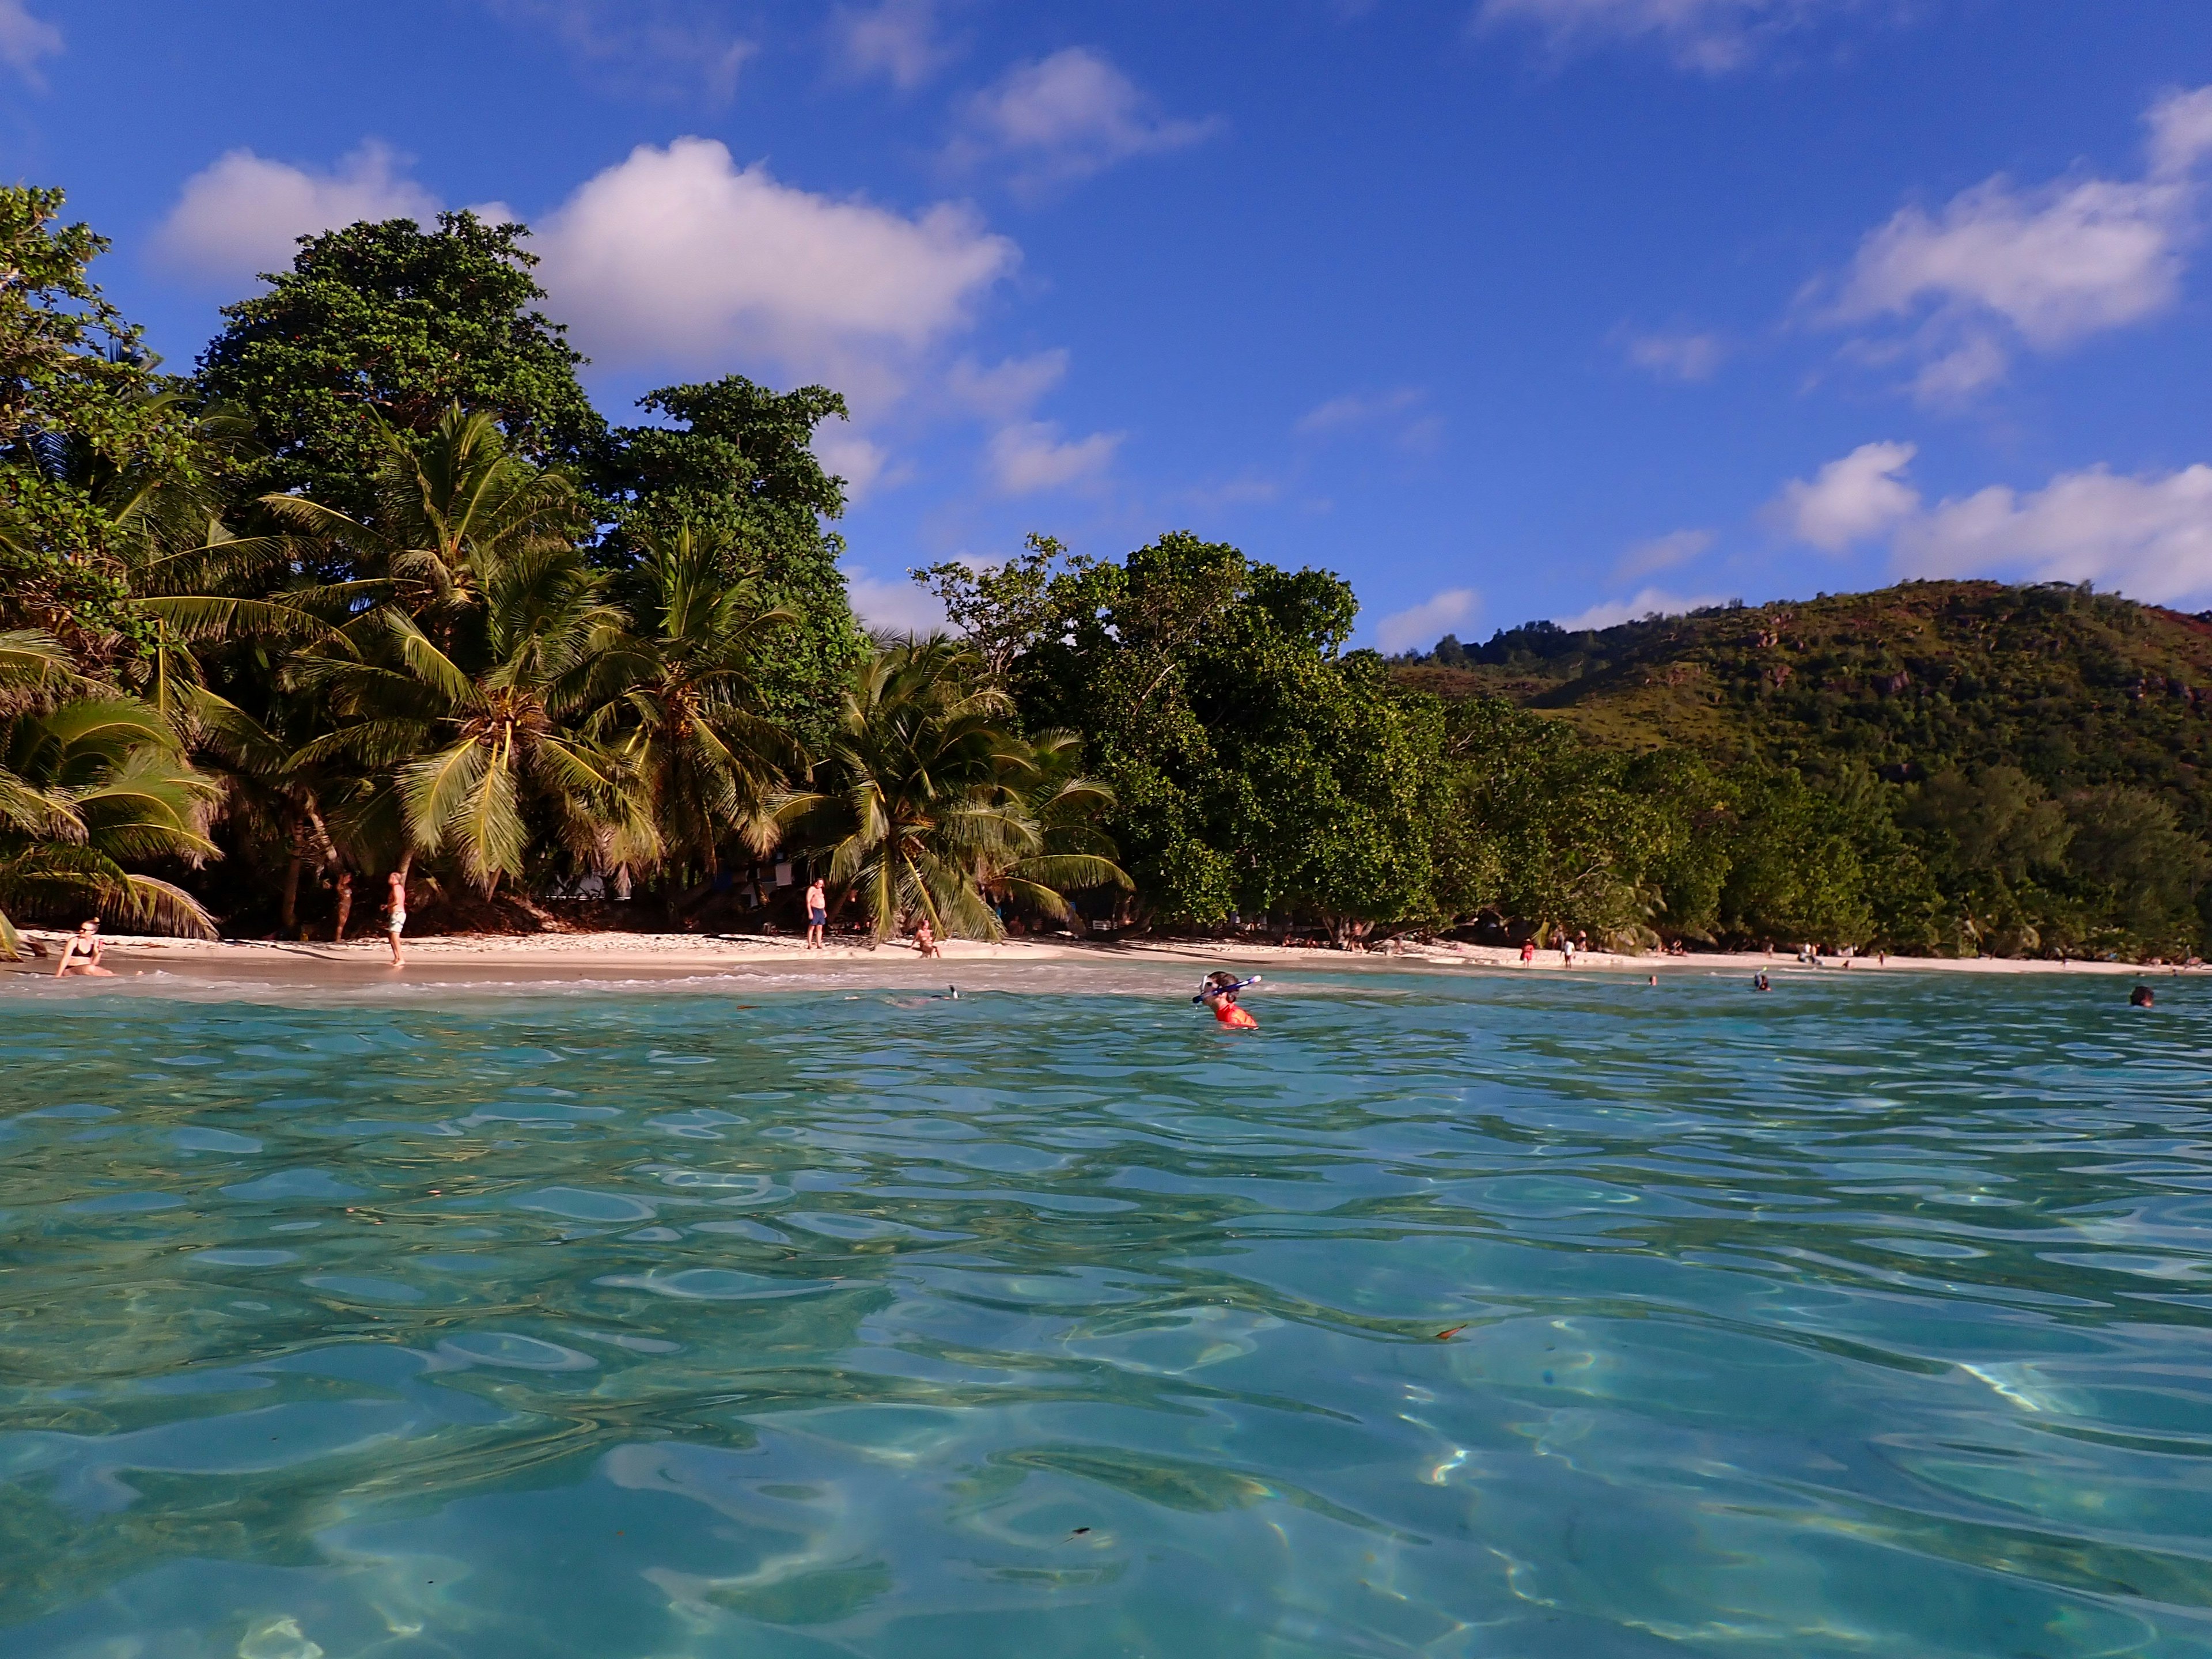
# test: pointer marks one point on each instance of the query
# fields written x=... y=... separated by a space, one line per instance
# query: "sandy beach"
x=491 y=960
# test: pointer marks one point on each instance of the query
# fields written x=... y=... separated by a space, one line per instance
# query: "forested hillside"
x=2077 y=690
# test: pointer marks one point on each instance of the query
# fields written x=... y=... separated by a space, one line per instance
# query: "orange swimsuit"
x=1233 y=1017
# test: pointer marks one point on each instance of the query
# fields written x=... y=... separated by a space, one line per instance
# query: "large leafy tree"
x=385 y=326
x=81 y=406
x=734 y=462
x=1255 y=766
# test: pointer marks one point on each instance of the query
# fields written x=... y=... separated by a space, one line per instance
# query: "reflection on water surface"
x=1855 y=1319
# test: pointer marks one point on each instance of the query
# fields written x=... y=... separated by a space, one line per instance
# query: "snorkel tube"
x=1207 y=988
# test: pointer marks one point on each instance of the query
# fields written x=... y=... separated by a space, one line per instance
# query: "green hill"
x=2077 y=690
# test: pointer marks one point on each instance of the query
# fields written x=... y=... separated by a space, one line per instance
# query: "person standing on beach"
x=817 y=913
x=1566 y=951
x=1528 y=951
x=395 y=912
x=925 y=939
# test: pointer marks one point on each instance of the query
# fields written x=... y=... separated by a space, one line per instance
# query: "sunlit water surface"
x=1493 y=1315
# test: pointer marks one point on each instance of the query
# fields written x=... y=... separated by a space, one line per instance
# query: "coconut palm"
x=475 y=737
x=924 y=799
x=686 y=718
x=90 y=778
x=449 y=513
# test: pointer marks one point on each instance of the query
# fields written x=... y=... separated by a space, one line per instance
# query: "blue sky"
x=1503 y=308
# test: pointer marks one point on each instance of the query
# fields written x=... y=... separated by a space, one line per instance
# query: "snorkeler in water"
x=1218 y=992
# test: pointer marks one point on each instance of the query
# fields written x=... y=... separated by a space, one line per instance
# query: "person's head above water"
x=2140 y=997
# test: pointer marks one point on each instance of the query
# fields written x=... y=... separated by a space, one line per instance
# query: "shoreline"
x=557 y=959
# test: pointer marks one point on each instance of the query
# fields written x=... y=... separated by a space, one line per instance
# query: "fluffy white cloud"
x=2181 y=132
x=1713 y=36
x=1676 y=357
x=24 y=40
x=1663 y=552
x=1422 y=625
x=2047 y=266
x=898 y=40
x=899 y=606
x=1064 y=118
x=1650 y=602
x=2150 y=536
x=242 y=215
x=1030 y=456
x=653 y=47
x=678 y=256
x=1009 y=388
x=1854 y=500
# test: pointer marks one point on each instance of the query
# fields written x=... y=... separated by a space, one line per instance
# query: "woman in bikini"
x=81 y=954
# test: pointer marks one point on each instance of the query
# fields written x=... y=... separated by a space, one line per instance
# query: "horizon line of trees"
x=376 y=588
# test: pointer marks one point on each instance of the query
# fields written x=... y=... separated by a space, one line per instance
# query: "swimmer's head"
x=2140 y=997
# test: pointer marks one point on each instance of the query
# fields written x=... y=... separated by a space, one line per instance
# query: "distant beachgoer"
x=925 y=939
x=1218 y=992
x=2140 y=997
x=1566 y=951
x=81 y=954
x=1758 y=982
x=1528 y=951
x=1653 y=979
x=395 y=915
x=817 y=913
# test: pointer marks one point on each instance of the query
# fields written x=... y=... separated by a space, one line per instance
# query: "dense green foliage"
x=1955 y=766
x=380 y=591
x=379 y=328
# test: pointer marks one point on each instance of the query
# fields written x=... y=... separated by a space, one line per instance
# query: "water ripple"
x=1445 y=1316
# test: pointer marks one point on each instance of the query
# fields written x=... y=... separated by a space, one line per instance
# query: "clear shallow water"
x=1855 y=1319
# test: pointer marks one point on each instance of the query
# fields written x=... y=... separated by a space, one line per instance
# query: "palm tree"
x=448 y=513
x=926 y=800
x=474 y=737
x=88 y=779
x=686 y=717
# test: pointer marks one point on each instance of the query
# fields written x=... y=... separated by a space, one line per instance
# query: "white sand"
x=560 y=956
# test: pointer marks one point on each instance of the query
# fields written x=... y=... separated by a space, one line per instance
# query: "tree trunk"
x=345 y=905
x=289 y=921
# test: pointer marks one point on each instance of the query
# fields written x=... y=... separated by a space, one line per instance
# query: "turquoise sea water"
x=1861 y=1318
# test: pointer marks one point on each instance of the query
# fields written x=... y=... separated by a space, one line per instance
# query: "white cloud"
x=2047 y=267
x=2181 y=132
x=864 y=465
x=1396 y=412
x=1029 y=457
x=898 y=40
x=678 y=256
x=1065 y=118
x=242 y=215
x=2149 y=535
x=653 y=47
x=24 y=40
x=1650 y=602
x=1712 y=35
x=1425 y=623
x=902 y=606
x=1009 y=388
x=1663 y=552
x=1356 y=409
x=1677 y=356
x=1856 y=499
